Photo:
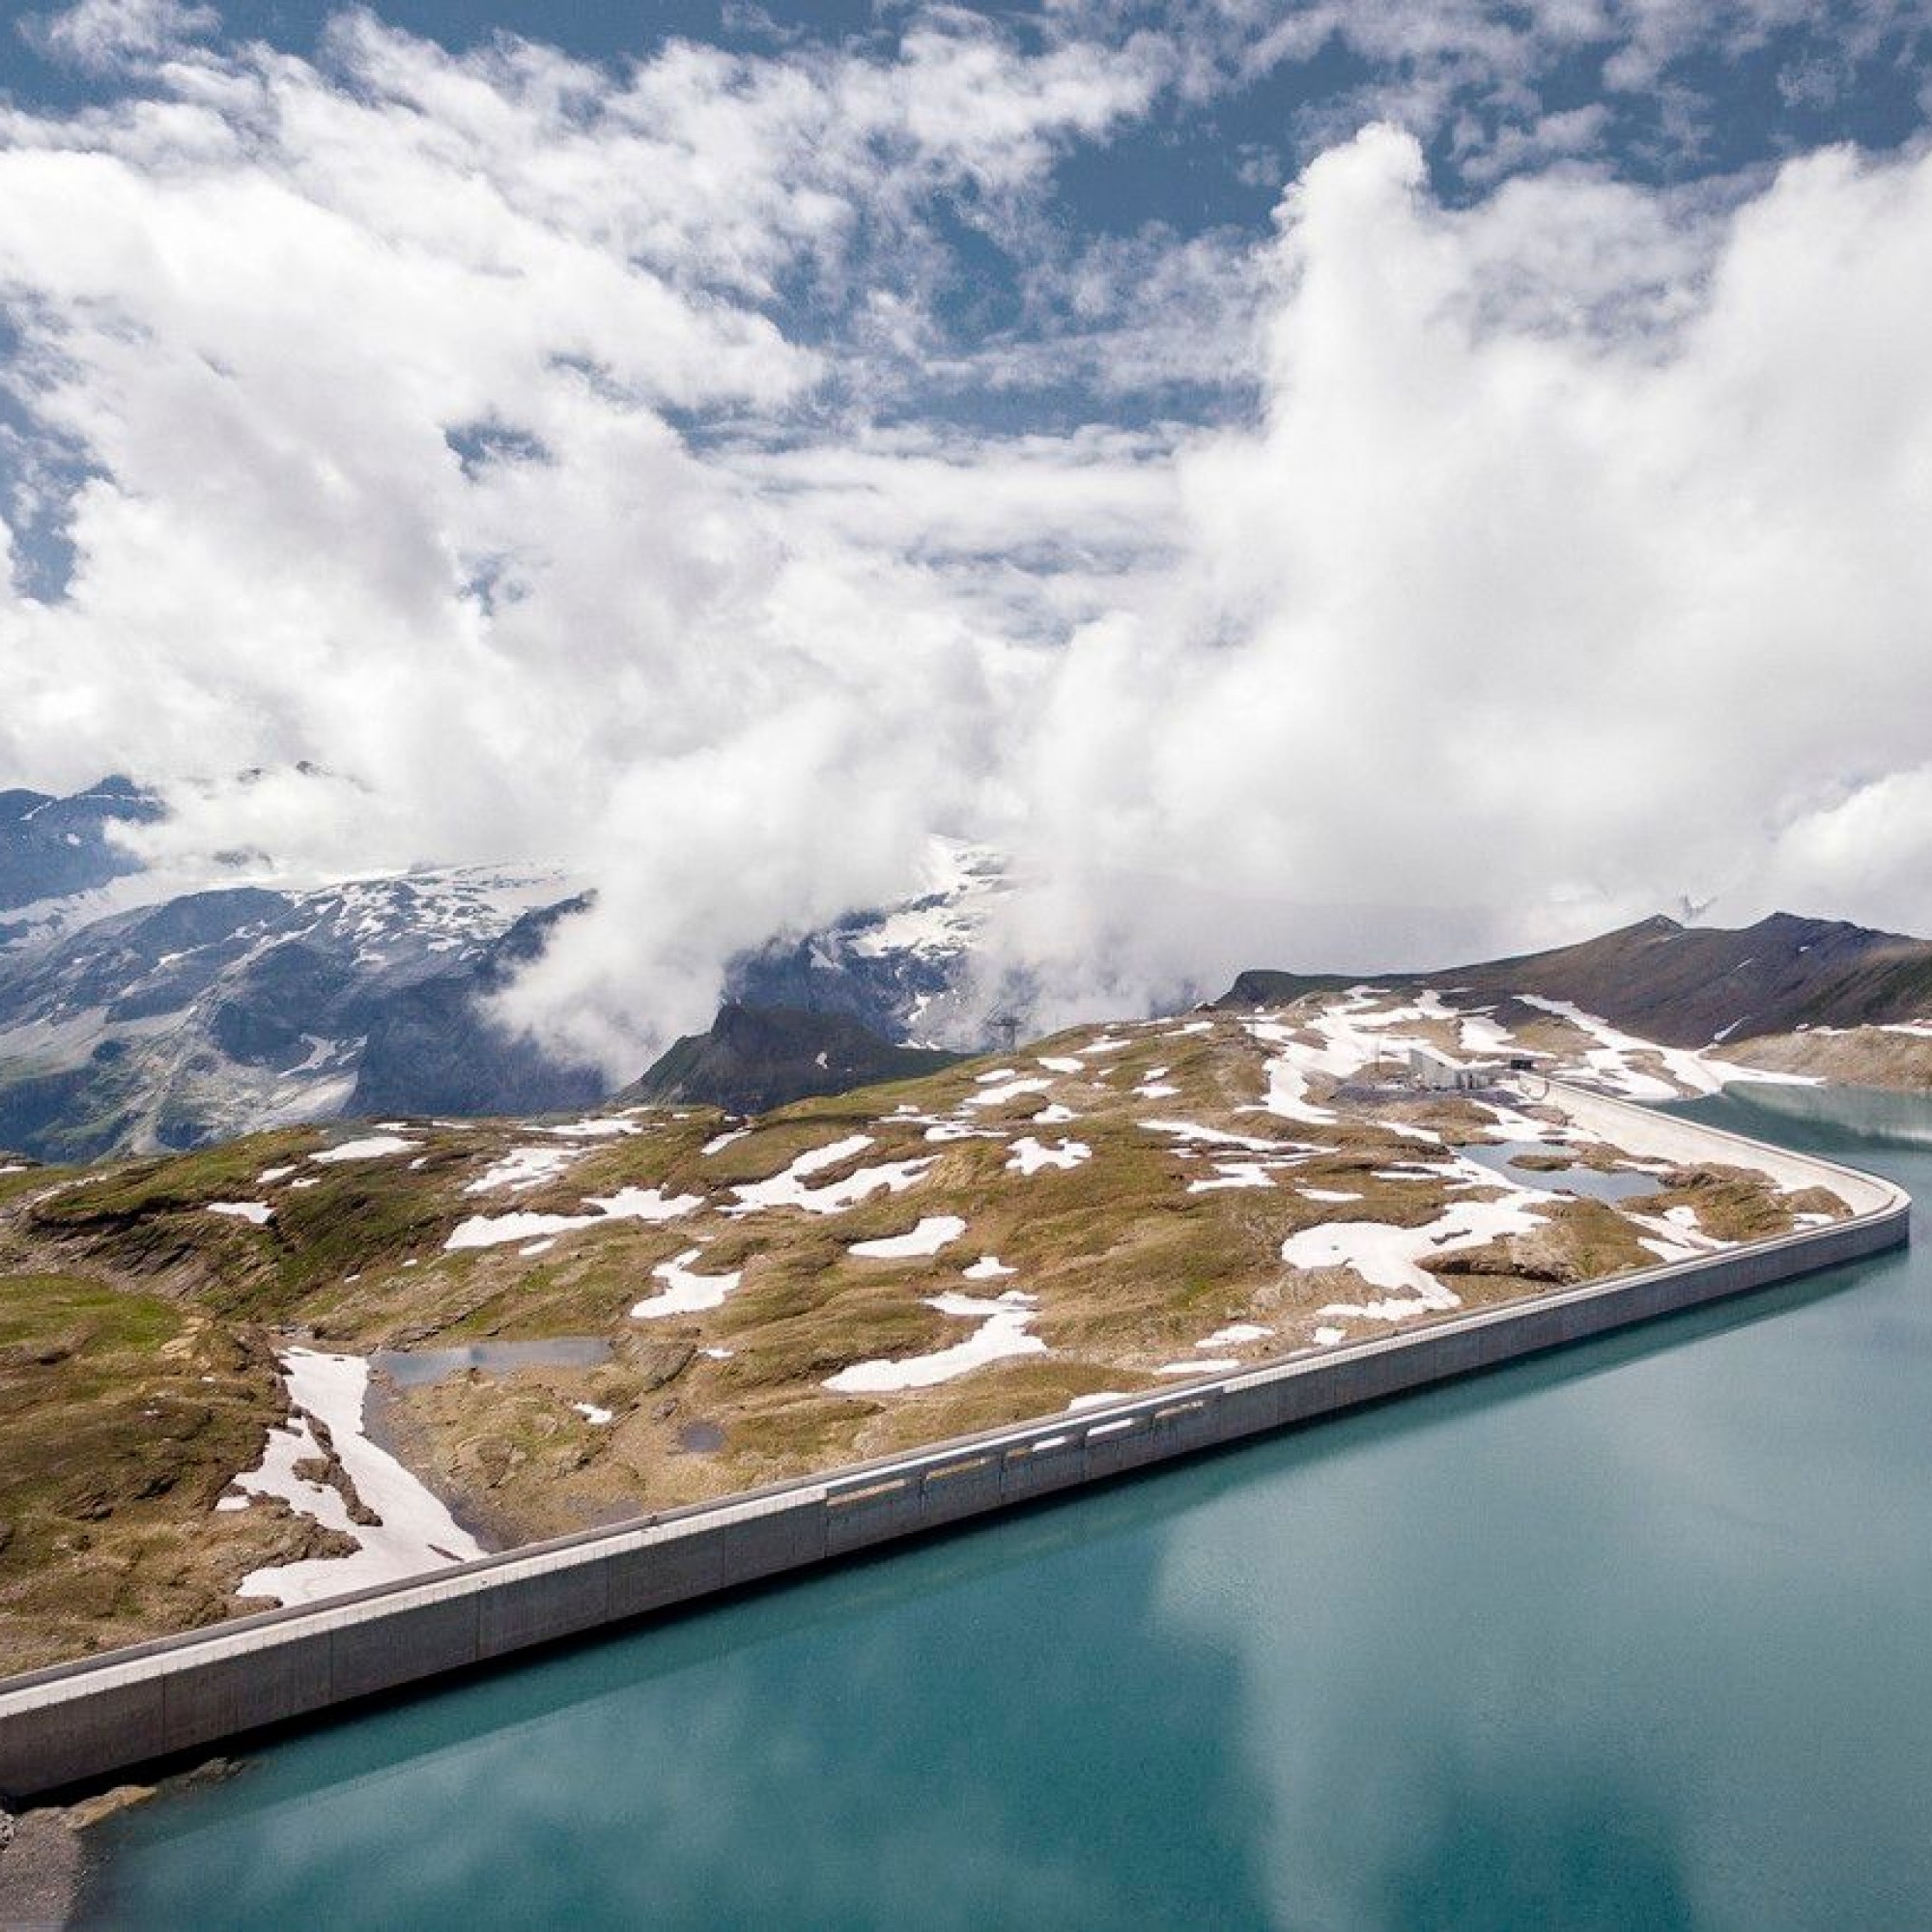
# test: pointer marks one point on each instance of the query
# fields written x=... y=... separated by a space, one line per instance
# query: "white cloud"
x=442 y=426
x=1575 y=132
x=1518 y=600
x=101 y=35
x=375 y=377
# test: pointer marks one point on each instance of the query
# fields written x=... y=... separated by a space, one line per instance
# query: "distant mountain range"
x=221 y=1012
x=129 y=1027
x=1690 y=985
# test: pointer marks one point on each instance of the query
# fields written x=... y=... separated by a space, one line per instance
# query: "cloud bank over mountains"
x=725 y=470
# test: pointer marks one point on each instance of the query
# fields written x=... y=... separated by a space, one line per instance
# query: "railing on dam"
x=85 y=1719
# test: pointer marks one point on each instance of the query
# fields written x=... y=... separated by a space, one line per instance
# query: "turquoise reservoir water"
x=1639 y=1636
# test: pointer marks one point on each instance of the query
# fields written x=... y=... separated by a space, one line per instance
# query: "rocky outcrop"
x=754 y=1059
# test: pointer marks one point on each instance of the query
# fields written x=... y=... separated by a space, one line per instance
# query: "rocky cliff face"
x=909 y=974
x=52 y=848
x=433 y=1048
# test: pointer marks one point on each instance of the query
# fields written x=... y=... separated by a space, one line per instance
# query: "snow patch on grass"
x=1390 y=1257
x=628 y=1203
x=685 y=1293
x=788 y=1189
x=257 y=1212
x=1032 y=1156
x=372 y=1147
x=415 y=1532
x=1235 y=1335
x=1229 y=1173
x=927 y=1238
x=1007 y=1090
x=1195 y=1134
x=523 y=1168
x=1002 y=1332
x=1484 y=1037
x=1611 y=1060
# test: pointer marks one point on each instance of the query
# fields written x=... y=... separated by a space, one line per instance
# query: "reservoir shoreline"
x=81 y=1721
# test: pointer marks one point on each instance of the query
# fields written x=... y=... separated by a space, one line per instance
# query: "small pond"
x=1619 y=1184
x=416 y=1368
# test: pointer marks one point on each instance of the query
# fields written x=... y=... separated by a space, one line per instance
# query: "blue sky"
x=1320 y=483
x=1715 y=95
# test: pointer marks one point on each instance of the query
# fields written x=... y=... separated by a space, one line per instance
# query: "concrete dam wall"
x=107 y=1714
